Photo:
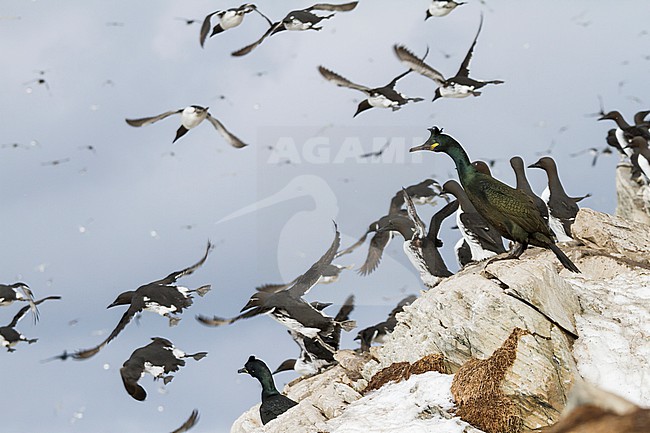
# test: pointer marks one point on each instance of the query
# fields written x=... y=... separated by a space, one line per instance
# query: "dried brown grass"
x=477 y=390
x=399 y=371
x=592 y=419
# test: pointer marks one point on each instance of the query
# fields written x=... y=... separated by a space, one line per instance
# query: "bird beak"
x=243 y=371
x=425 y=146
x=603 y=117
x=112 y=305
x=536 y=165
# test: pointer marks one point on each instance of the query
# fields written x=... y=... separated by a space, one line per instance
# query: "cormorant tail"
x=566 y=262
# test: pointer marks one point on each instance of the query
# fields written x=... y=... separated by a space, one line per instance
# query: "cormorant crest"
x=435 y=130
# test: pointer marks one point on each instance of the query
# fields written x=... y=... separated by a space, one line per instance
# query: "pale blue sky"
x=139 y=207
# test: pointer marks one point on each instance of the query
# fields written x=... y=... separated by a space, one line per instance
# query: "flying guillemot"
x=377 y=333
x=9 y=337
x=298 y=20
x=441 y=8
x=228 y=18
x=158 y=358
x=162 y=296
x=458 y=86
x=191 y=117
x=378 y=97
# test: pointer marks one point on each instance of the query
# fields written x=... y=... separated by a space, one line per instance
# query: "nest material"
x=477 y=390
x=592 y=419
x=399 y=371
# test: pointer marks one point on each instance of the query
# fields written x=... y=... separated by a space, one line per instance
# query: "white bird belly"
x=380 y=101
x=231 y=19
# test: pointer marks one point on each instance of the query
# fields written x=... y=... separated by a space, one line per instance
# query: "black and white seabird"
x=421 y=247
x=163 y=297
x=228 y=19
x=191 y=117
x=379 y=97
x=421 y=193
x=377 y=333
x=522 y=184
x=641 y=156
x=298 y=20
x=562 y=209
x=458 y=86
x=158 y=358
x=630 y=131
x=289 y=308
x=10 y=293
x=441 y=8
x=191 y=422
x=273 y=404
x=314 y=356
x=9 y=337
x=483 y=240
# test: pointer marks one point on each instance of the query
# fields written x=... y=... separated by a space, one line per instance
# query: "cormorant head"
x=255 y=367
x=123 y=299
x=437 y=142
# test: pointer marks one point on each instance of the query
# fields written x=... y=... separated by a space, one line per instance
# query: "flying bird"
x=315 y=357
x=9 y=337
x=228 y=18
x=458 y=86
x=377 y=333
x=162 y=296
x=380 y=97
x=441 y=8
x=158 y=358
x=420 y=246
x=9 y=293
x=512 y=212
x=273 y=404
x=298 y=20
x=191 y=422
x=191 y=117
x=289 y=308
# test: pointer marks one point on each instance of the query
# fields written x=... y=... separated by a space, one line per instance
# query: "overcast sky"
x=93 y=207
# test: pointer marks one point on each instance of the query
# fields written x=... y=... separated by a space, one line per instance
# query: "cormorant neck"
x=463 y=164
x=268 y=386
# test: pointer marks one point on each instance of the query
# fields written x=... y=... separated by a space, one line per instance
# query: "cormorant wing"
x=23 y=311
x=513 y=205
x=340 y=81
x=148 y=120
x=275 y=27
x=230 y=138
x=463 y=71
x=439 y=217
x=171 y=278
x=420 y=229
x=191 y=422
x=416 y=64
x=377 y=245
x=307 y=280
x=335 y=8
x=205 y=27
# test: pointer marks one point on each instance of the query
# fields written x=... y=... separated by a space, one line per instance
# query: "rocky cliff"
x=509 y=341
